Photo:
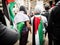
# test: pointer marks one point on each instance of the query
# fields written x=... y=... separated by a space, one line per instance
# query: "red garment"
x=8 y=1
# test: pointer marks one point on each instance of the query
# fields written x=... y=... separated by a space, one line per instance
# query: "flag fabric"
x=10 y=5
x=5 y=8
x=9 y=1
x=38 y=30
x=20 y=26
x=10 y=11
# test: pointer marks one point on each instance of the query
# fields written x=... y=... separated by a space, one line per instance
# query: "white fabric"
x=20 y=17
x=44 y=19
x=40 y=6
x=37 y=41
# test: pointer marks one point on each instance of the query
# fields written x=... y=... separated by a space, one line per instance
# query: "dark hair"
x=51 y=2
x=46 y=7
x=22 y=8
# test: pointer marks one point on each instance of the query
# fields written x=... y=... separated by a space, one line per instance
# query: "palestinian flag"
x=5 y=8
x=38 y=30
x=11 y=6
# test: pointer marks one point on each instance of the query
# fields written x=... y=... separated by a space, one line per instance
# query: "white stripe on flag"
x=37 y=42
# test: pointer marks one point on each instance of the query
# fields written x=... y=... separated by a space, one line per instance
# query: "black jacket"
x=54 y=21
x=2 y=18
x=46 y=14
x=7 y=36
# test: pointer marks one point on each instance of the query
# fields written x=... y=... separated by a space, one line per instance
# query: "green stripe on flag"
x=20 y=26
x=40 y=31
x=10 y=11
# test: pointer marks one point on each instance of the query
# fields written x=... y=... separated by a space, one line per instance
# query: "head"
x=37 y=11
x=46 y=6
x=22 y=8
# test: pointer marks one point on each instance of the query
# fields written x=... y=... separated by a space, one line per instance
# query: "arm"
x=28 y=25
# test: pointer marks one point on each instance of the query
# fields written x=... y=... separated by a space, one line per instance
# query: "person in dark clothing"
x=2 y=19
x=50 y=2
x=56 y=1
x=54 y=25
x=46 y=12
x=7 y=36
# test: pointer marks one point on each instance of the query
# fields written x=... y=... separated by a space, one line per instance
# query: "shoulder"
x=43 y=17
x=53 y=8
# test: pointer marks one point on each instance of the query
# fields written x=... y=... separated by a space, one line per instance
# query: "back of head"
x=47 y=6
x=37 y=10
x=22 y=8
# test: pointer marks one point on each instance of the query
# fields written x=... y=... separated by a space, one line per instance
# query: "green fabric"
x=40 y=31
x=11 y=12
x=20 y=26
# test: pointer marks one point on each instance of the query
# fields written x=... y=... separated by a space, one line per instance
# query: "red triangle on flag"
x=36 y=24
x=8 y=1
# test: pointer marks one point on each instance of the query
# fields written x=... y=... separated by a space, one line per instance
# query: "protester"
x=46 y=14
x=22 y=18
x=35 y=23
x=54 y=25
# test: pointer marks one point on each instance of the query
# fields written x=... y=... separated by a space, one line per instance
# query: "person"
x=35 y=20
x=56 y=1
x=2 y=18
x=54 y=25
x=22 y=18
x=7 y=35
x=46 y=14
x=50 y=2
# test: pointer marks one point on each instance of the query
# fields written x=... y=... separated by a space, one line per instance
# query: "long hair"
x=22 y=8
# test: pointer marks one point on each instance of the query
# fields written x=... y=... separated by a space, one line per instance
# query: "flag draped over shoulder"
x=10 y=5
x=38 y=30
x=20 y=26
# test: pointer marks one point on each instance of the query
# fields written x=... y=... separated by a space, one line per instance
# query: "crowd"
x=43 y=22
